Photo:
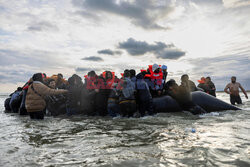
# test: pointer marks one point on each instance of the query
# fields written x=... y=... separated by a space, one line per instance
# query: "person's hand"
x=97 y=90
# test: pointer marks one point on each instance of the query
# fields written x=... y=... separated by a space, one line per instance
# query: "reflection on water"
x=219 y=139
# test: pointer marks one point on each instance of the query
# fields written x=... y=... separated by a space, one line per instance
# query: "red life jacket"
x=109 y=81
x=154 y=75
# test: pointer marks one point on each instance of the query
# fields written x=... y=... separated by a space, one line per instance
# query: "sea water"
x=220 y=139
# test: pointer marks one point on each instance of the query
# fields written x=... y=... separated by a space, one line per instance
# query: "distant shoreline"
x=220 y=91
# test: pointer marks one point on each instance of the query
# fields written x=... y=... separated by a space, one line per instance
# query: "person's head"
x=171 y=84
x=184 y=78
x=52 y=83
x=126 y=74
x=38 y=77
x=108 y=75
x=233 y=79
x=132 y=73
x=164 y=68
x=155 y=68
x=91 y=74
x=72 y=80
x=208 y=79
x=59 y=75
x=44 y=75
x=202 y=80
x=19 y=89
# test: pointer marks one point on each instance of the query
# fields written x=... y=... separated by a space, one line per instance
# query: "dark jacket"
x=73 y=95
x=204 y=87
x=212 y=88
x=142 y=89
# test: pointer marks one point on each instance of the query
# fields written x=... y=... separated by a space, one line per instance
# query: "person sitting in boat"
x=203 y=85
x=190 y=85
x=56 y=104
x=182 y=95
x=210 y=84
x=154 y=80
x=127 y=99
x=143 y=96
x=35 y=98
x=15 y=100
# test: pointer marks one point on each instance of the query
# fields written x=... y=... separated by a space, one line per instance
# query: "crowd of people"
x=106 y=94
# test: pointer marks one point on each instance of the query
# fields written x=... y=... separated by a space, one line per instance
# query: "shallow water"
x=220 y=139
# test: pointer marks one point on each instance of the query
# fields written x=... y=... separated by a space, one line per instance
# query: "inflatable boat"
x=205 y=101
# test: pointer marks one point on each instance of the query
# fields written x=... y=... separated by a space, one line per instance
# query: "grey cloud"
x=37 y=58
x=143 y=13
x=171 y=54
x=109 y=52
x=86 y=70
x=41 y=26
x=16 y=73
x=160 y=49
x=92 y=58
x=20 y=65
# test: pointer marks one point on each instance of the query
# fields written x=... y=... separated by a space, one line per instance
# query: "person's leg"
x=111 y=111
x=39 y=115
x=142 y=108
x=123 y=108
x=238 y=100
x=32 y=116
x=131 y=109
x=232 y=99
x=149 y=107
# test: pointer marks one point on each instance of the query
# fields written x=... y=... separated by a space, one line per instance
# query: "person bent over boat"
x=190 y=85
x=143 y=96
x=182 y=95
x=127 y=98
x=35 y=98
x=234 y=91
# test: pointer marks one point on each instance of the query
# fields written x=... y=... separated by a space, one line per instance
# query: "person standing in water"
x=234 y=91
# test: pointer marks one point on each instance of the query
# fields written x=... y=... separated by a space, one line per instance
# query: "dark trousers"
x=37 y=115
x=146 y=106
x=128 y=108
x=235 y=99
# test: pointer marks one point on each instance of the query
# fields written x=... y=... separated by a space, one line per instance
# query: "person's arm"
x=243 y=90
x=226 y=89
x=44 y=90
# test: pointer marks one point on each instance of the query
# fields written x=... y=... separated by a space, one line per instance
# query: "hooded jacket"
x=35 y=99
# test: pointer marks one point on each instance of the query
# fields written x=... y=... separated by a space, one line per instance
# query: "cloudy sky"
x=197 y=37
